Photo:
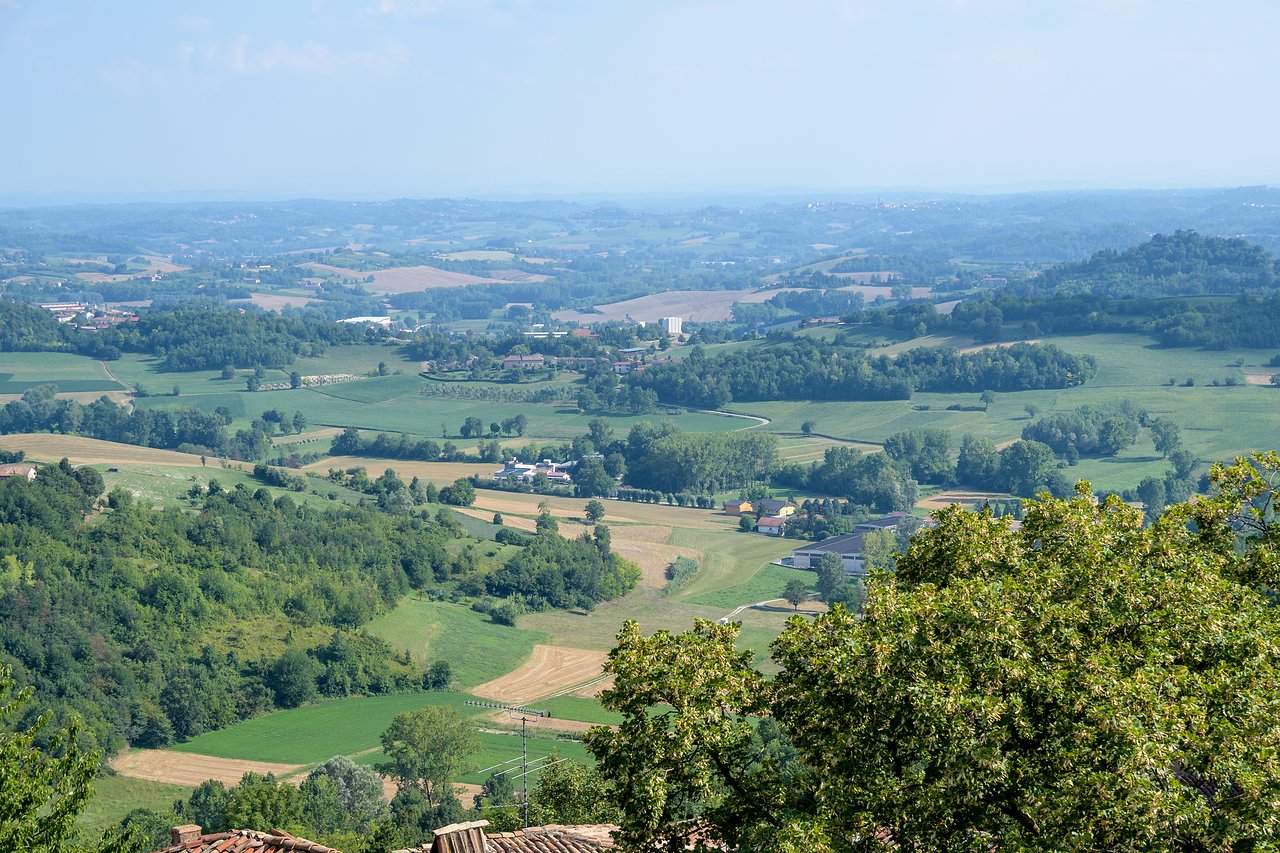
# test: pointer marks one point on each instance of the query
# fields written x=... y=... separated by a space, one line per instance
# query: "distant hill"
x=1183 y=263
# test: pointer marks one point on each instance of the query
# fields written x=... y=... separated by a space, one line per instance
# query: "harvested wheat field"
x=79 y=450
x=555 y=724
x=647 y=547
x=406 y=279
x=693 y=305
x=1258 y=378
x=960 y=496
x=184 y=768
x=434 y=472
x=275 y=301
x=549 y=670
x=616 y=512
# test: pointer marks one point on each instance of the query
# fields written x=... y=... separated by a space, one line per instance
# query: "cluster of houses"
x=772 y=521
x=771 y=515
x=631 y=358
x=85 y=316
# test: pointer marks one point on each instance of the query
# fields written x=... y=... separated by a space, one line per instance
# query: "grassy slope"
x=477 y=649
x=71 y=373
x=116 y=796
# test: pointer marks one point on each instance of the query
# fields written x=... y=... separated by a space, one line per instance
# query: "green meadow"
x=476 y=648
x=115 y=796
x=71 y=373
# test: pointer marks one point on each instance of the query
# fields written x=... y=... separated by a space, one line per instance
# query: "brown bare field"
x=696 y=241
x=549 y=670
x=274 y=302
x=554 y=724
x=1258 y=378
x=821 y=247
x=964 y=497
x=538 y=260
x=312 y=435
x=693 y=305
x=616 y=512
x=90 y=451
x=435 y=472
x=406 y=279
x=184 y=768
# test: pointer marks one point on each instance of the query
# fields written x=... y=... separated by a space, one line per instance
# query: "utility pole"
x=524 y=766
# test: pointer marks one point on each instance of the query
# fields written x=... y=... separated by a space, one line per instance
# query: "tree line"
x=802 y=369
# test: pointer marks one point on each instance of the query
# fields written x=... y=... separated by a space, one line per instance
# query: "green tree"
x=426 y=749
x=45 y=777
x=594 y=511
x=877 y=549
x=1166 y=435
x=295 y=379
x=1082 y=683
x=1025 y=467
x=796 y=593
x=263 y=801
x=358 y=792
x=808 y=427
x=832 y=578
x=460 y=493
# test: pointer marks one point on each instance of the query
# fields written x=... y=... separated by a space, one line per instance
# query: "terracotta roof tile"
x=555 y=839
x=245 y=841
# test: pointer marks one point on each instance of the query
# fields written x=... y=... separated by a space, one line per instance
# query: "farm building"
x=516 y=471
x=523 y=362
x=25 y=472
x=771 y=525
x=740 y=507
x=848 y=546
x=671 y=325
x=775 y=507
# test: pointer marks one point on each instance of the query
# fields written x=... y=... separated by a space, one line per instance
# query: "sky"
x=370 y=99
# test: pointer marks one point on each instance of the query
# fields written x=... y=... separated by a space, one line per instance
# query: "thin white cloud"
x=242 y=56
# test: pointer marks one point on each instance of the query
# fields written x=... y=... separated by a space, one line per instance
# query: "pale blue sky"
x=385 y=98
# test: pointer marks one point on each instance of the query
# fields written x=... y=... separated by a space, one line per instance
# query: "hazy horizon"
x=572 y=100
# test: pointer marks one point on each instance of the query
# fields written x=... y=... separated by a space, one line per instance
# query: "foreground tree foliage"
x=1080 y=684
x=45 y=779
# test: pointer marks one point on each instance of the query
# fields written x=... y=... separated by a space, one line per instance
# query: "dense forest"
x=1183 y=263
x=806 y=369
x=198 y=335
x=124 y=620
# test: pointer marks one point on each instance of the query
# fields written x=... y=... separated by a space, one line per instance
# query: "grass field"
x=477 y=649
x=1217 y=422
x=71 y=373
x=115 y=796
x=393 y=404
x=353 y=727
x=315 y=732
